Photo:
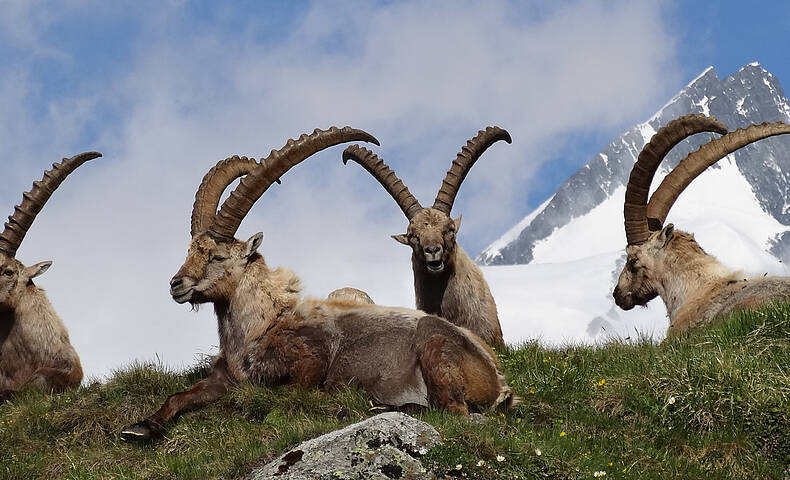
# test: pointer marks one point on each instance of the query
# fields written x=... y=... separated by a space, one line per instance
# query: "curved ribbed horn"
x=463 y=163
x=695 y=163
x=210 y=191
x=386 y=177
x=637 y=229
x=33 y=201
x=273 y=167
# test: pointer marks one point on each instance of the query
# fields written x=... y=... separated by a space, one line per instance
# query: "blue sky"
x=68 y=51
x=167 y=88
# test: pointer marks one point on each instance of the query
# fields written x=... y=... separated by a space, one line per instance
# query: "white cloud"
x=422 y=77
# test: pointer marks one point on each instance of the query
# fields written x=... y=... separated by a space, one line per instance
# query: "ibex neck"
x=261 y=297
x=429 y=288
x=691 y=282
x=29 y=301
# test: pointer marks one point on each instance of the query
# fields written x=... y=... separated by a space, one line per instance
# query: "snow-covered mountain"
x=573 y=244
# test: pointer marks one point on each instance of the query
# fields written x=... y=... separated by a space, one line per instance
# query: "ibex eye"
x=632 y=265
x=217 y=258
x=8 y=273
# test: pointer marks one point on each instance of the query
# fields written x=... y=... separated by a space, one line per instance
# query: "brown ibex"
x=446 y=281
x=34 y=344
x=269 y=335
x=665 y=262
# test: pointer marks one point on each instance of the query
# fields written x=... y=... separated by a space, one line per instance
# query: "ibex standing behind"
x=34 y=343
x=665 y=262
x=446 y=281
x=269 y=336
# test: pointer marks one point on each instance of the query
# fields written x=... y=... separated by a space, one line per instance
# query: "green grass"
x=711 y=404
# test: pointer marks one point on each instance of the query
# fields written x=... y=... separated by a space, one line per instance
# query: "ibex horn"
x=33 y=201
x=637 y=229
x=463 y=163
x=252 y=186
x=386 y=177
x=695 y=163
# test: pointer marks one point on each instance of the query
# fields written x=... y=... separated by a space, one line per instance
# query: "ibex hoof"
x=139 y=432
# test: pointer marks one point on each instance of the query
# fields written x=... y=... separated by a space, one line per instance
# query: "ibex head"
x=651 y=246
x=431 y=232
x=640 y=279
x=216 y=260
x=212 y=269
x=431 y=235
x=14 y=276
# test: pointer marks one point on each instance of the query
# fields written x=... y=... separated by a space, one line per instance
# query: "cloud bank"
x=169 y=90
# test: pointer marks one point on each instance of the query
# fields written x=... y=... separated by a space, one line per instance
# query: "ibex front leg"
x=56 y=379
x=203 y=392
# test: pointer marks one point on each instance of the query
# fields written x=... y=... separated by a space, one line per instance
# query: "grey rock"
x=477 y=419
x=386 y=446
x=751 y=95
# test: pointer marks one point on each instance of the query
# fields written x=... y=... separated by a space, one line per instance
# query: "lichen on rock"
x=387 y=446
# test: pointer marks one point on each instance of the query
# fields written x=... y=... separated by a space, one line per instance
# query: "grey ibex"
x=34 y=343
x=269 y=335
x=446 y=281
x=665 y=262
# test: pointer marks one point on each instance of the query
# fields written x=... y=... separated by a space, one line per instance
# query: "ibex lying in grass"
x=34 y=343
x=665 y=262
x=269 y=336
x=446 y=281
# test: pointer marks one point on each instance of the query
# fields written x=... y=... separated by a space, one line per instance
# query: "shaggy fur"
x=694 y=286
x=447 y=282
x=269 y=336
x=34 y=343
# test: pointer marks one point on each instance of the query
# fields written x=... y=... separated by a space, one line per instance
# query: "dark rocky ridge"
x=751 y=95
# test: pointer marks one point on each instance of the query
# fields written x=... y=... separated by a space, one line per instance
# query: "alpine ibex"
x=269 y=335
x=446 y=281
x=34 y=343
x=665 y=262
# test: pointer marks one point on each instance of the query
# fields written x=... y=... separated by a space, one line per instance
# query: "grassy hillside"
x=713 y=404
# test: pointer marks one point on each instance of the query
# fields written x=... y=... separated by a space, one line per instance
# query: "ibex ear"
x=457 y=222
x=253 y=244
x=35 y=270
x=666 y=234
x=401 y=238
